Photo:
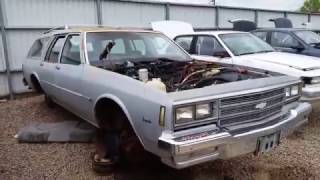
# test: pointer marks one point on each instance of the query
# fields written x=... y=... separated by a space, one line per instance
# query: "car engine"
x=179 y=75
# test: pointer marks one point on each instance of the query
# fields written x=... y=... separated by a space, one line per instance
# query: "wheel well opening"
x=107 y=110
x=108 y=114
x=35 y=83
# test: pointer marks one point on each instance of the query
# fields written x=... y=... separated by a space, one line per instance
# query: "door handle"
x=41 y=64
x=58 y=67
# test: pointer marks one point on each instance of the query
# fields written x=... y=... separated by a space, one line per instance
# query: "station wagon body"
x=183 y=110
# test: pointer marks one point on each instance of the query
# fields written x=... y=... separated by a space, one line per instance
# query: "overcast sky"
x=292 y=5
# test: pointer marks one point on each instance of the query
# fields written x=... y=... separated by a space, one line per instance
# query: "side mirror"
x=221 y=54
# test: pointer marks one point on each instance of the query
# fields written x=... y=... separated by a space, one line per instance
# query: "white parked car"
x=244 y=49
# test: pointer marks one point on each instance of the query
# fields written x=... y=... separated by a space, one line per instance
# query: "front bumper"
x=223 y=145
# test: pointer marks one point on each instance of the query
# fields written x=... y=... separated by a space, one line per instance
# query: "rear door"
x=47 y=67
x=34 y=59
x=68 y=74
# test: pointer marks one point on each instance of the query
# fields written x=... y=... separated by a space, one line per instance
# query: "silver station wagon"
x=183 y=110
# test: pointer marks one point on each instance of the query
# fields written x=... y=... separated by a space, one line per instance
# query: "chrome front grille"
x=249 y=108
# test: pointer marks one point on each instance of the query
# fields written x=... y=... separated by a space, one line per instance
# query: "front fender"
x=124 y=109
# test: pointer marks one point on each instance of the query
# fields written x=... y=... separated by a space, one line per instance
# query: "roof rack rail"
x=73 y=26
x=56 y=28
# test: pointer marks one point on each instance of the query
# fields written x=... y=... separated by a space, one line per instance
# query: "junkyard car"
x=184 y=111
x=292 y=40
x=245 y=49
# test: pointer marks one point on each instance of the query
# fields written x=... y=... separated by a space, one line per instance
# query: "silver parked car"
x=183 y=110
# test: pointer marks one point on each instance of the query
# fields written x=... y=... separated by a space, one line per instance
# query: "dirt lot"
x=296 y=158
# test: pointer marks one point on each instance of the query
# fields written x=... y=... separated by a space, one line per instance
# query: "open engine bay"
x=169 y=75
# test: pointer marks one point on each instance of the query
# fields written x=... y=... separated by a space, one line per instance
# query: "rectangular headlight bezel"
x=184 y=120
x=213 y=116
x=210 y=111
x=293 y=91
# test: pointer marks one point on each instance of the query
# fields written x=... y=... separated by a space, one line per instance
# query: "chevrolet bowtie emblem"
x=261 y=105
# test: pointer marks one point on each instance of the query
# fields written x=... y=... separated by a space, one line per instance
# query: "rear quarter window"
x=37 y=48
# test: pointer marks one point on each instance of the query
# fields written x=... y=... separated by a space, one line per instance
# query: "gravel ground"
x=296 y=158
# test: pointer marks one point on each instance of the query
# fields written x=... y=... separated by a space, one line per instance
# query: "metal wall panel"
x=130 y=14
x=2 y=59
x=19 y=43
x=230 y=14
x=17 y=84
x=4 y=89
x=199 y=17
x=49 y=12
x=315 y=19
x=298 y=19
x=264 y=17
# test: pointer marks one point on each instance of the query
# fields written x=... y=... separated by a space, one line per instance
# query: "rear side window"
x=261 y=35
x=185 y=42
x=37 y=48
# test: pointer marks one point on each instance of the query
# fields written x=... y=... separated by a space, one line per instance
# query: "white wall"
x=188 y=1
x=287 y=5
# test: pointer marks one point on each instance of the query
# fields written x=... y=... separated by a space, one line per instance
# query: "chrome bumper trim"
x=224 y=145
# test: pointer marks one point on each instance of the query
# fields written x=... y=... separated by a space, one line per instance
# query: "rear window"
x=37 y=48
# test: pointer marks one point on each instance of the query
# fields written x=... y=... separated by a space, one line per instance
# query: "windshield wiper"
x=266 y=51
x=168 y=59
x=246 y=53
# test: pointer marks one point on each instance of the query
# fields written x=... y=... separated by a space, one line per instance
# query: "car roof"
x=213 y=32
x=81 y=29
x=281 y=29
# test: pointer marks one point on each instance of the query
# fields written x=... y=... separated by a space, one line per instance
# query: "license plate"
x=267 y=143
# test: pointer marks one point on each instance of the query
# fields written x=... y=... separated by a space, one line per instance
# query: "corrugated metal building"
x=23 y=20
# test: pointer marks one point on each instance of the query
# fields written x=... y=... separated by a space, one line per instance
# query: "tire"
x=49 y=102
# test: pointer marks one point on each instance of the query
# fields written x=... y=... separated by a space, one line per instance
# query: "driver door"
x=284 y=42
x=68 y=75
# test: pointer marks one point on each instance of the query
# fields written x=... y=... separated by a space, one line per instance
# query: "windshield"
x=309 y=37
x=245 y=43
x=133 y=46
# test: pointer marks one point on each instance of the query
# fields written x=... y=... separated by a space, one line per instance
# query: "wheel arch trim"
x=119 y=102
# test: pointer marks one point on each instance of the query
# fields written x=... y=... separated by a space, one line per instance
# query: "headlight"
x=196 y=112
x=293 y=90
x=184 y=114
x=288 y=91
x=203 y=111
x=315 y=80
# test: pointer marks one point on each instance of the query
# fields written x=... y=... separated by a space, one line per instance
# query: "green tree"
x=311 y=6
